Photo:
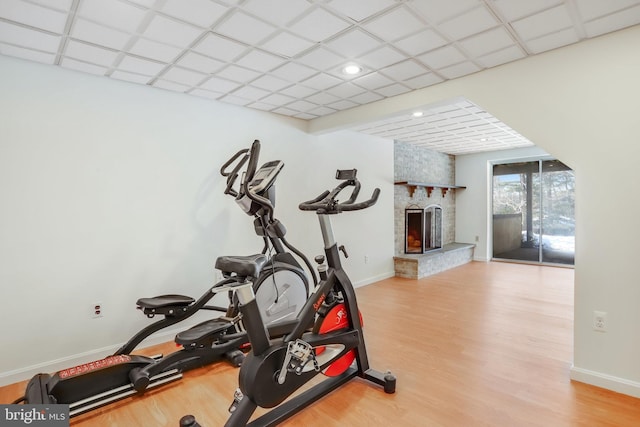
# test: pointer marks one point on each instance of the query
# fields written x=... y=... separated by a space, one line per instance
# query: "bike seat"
x=165 y=301
x=243 y=266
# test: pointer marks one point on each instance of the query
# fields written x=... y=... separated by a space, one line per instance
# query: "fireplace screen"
x=423 y=229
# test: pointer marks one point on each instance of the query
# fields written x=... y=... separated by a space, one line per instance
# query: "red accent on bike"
x=337 y=318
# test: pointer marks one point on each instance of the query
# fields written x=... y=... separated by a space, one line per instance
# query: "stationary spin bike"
x=326 y=336
x=280 y=284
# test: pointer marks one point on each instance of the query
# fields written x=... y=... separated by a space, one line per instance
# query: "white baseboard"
x=598 y=379
x=374 y=279
x=51 y=366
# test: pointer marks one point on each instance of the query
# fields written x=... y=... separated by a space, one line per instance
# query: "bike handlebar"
x=326 y=203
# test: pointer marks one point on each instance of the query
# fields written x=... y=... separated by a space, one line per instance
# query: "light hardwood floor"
x=485 y=344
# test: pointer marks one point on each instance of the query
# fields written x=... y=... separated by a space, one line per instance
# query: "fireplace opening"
x=423 y=229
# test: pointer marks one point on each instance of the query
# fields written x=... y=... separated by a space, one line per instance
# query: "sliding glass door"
x=533 y=212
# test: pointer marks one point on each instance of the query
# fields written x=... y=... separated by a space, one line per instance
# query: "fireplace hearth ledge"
x=417 y=266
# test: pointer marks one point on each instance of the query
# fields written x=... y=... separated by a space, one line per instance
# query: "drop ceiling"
x=287 y=56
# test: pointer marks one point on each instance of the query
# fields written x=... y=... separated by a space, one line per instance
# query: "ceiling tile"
x=28 y=54
x=322 y=98
x=277 y=99
x=302 y=105
x=321 y=81
x=359 y=11
x=238 y=74
x=261 y=106
x=346 y=90
x=173 y=86
x=353 y=43
x=382 y=57
x=486 y=42
x=33 y=15
x=458 y=70
x=62 y=5
x=404 y=70
x=321 y=111
x=90 y=53
x=98 y=34
x=366 y=98
x=436 y=11
x=442 y=57
x=278 y=14
x=590 y=9
x=114 y=13
x=318 y=25
x=195 y=61
x=83 y=66
x=294 y=72
x=287 y=44
x=21 y=36
x=260 y=61
x=245 y=28
x=209 y=94
x=552 y=41
x=421 y=42
x=154 y=50
x=285 y=111
x=270 y=83
x=171 y=32
x=200 y=12
x=219 y=47
x=250 y=92
x=503 y=56
x=512 y=10
x=613 y=22
x=298 y=91
x=236 y=100
x=342 y=105
x=183 y=76
x=321 y=59
x=469 y=23
x=373 y=81
x=219 y=85
x=392 y=90
x=423 y=81
x=130 y=77
x=543 y=23
x=393 y=25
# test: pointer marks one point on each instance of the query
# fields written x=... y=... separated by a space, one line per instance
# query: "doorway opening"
x=534 y=212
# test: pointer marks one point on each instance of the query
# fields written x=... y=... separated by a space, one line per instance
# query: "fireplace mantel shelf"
x=412 y=185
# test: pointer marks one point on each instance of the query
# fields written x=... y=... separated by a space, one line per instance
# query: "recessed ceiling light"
x=484 y=139
x=417 y=114
x=352 y=69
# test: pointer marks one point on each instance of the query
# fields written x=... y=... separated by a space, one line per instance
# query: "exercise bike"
x=326 y=336
x=281 y=287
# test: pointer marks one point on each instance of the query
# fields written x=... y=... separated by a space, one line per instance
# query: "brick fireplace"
x=437 y=201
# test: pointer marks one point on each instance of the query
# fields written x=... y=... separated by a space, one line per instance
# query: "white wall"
x=473 y=204
x=579 y=104
x=110 y=191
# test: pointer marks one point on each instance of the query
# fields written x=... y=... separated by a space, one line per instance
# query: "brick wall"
x=412 y=163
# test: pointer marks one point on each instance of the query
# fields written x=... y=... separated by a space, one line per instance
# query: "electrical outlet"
x=366 y=259
x=477 y=238
x=600 y=321
x=97 y=310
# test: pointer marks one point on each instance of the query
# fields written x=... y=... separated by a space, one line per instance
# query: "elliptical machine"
x=281 y=287
x=326 y=337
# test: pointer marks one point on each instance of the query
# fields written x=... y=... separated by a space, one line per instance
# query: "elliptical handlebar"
x=326 y=203
x=251 y=154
